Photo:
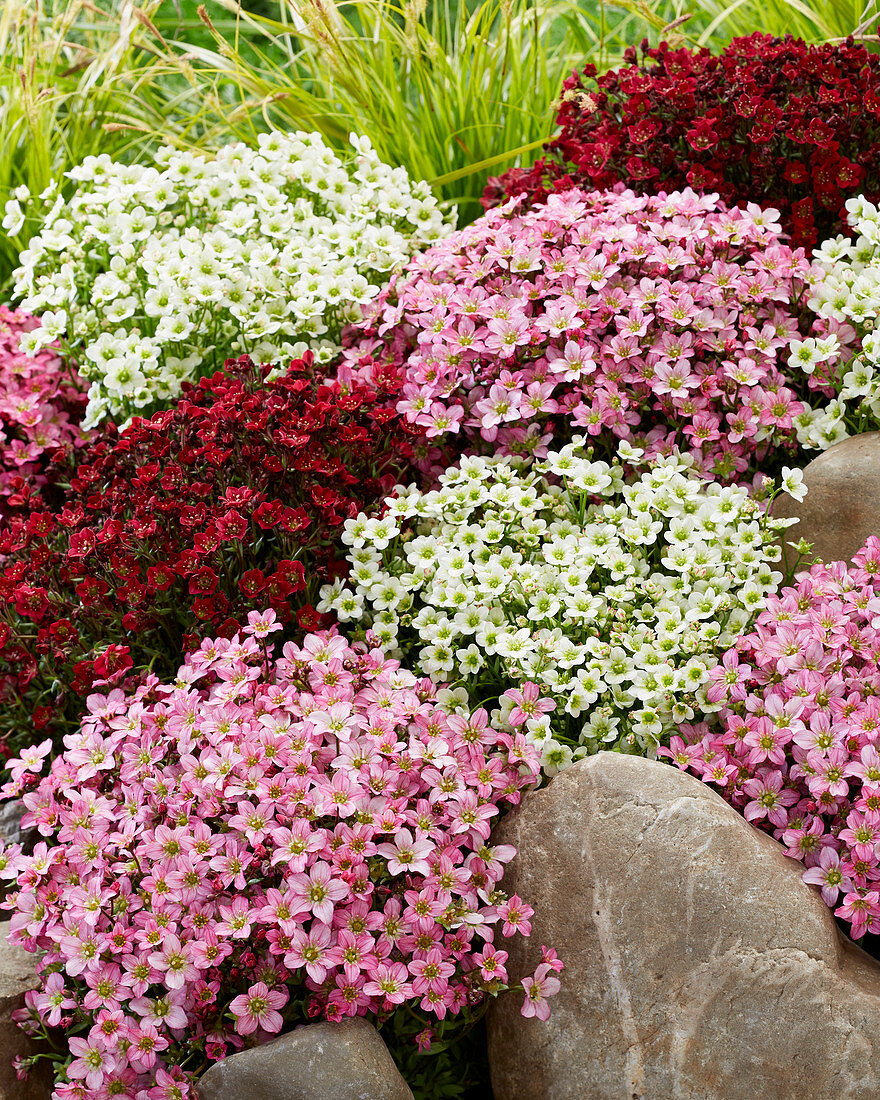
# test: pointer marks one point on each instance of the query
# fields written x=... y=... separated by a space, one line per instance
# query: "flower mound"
x=798 y=749
x=176 y=528
x=615 y=598
x=846 y=293
x=152 y=274
x=770 y=120
x=40 y=408
x=656 y=320
x=258 y=844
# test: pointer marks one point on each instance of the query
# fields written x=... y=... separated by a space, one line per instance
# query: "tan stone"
x=698 y=965
x=16 y=978
x=842 y=505
x=345 y=1061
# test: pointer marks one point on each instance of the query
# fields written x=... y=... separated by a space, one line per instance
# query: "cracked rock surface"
x=698 y=965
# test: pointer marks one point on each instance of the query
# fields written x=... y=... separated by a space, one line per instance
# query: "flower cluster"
x=659 y=320
x=152 y=274
x=767 y=120
x=797 y=752
x=258 y=843
x=615 y=598
x=846 y=292
x=40 y=409
x=173 y=530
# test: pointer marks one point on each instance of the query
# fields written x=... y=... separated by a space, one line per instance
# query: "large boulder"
x=698 y=965
x=344 y=1061
x=842 y=505
x=16 y=978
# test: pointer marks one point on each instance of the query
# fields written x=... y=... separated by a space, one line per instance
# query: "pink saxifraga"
x=227 y=861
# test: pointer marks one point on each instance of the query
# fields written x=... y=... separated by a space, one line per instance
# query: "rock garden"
x=439 y=552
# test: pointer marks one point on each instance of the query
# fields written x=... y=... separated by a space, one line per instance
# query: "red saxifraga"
x=768 y=120
x=175 y=529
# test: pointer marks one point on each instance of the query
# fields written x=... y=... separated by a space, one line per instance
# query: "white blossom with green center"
x=615 y=594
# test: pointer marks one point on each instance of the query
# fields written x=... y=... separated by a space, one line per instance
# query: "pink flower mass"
x=663 y=320
x=797 y=748
x=234 y=865
x=40 y=408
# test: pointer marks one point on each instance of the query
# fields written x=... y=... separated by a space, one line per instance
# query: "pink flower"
x=258 y=1008
x=515 y=914
x=146 y=1043
x=537 y=988
x=861 y=908
x=52 y=999
x=829 y=876
x=174 y=962
x=527 y=703
x=406 y=853
x=491 y=964
x=344 y=904
x=91 y=1062
x=389 y=981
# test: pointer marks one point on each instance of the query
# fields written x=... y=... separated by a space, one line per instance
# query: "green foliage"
x=714 y=23
x=446 y=90
x=455 y=1068
x=74 y=81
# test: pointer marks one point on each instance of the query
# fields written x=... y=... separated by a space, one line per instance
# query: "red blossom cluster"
x=769 y=120
x=176 y=528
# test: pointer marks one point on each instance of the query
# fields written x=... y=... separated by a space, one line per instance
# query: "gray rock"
x=698 y=965
x=16 y=978
x=344 y=1061
x=11 y=832
x=842 y=505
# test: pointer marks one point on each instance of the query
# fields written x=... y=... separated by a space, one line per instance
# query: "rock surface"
x=16 y=978
x=698 y=965
x=345 y=1061
x=842 y=505
x=11 y=832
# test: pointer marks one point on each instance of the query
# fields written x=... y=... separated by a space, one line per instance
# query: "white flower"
x=14 y=217
x=793 y=483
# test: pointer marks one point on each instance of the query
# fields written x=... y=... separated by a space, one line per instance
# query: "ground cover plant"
x=848 y=293
x=280 y=840
x=797 y=752
x=614 y=595
x=41 y=405
x=152 y=275
x=665 y=321
x=767 y=120
x=281 y=645
x=175 y=529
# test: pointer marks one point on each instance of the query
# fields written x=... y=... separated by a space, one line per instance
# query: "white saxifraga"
x=847 y=291
x=154 y=274
x=615 y=594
